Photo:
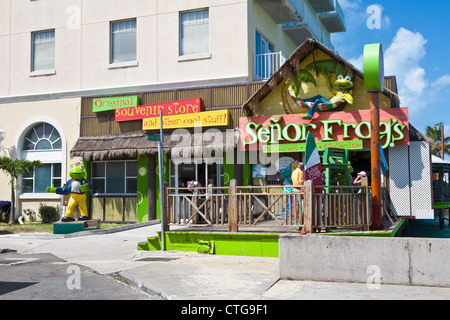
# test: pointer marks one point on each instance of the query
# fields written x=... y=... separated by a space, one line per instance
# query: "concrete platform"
x=193 y=276
x=60 y=227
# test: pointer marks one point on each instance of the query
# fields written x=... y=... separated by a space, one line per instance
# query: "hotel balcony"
x=322 y=5
x=334 y=21
x=267 y=63
x=281 y=11
x=308 y=27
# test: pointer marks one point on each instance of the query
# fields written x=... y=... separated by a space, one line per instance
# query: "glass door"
x=214 y=173
x=263 y=57
x=204 y=171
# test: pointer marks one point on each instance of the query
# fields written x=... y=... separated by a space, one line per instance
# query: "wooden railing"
x=269 y=205
x=208 y=205
x=310 y=208
x=337 y=207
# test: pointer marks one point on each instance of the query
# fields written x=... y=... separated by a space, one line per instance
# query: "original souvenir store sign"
x=343 y=129
x=106 y=104
x=173 y=108
x=203 y=119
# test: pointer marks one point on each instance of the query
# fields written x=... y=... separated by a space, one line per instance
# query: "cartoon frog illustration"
x=341 y=92
x=77 y=188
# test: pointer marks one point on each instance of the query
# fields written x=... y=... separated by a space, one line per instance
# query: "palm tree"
x=15 y=168
x=435 y=134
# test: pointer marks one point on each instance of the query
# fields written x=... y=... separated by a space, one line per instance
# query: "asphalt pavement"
x=174 y=275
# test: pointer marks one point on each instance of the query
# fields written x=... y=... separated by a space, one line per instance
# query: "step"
x=240 y=244
x=60 y=227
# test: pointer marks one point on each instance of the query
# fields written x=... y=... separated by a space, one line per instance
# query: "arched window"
x=42 y=142
x=43 y=136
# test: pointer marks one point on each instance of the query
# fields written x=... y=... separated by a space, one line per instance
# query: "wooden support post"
x=365 y=192
x=233 y=208
x=375 y=159
x=308 y=206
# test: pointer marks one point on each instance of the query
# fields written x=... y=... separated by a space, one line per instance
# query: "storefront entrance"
x=205 y=171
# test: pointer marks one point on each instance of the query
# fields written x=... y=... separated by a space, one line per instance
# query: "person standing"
x=298 y=177
x=357 y=181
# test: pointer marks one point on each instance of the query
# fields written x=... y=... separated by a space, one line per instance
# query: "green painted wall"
x=142 y=188
x=87 y=170
x=228 y=171
x=166 y=179
x=237 y=244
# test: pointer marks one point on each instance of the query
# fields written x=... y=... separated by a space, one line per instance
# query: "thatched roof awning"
x=113 y=147
x=416 y=135
x=180 y=143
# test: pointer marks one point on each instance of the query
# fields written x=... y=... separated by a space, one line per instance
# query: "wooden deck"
x=270 y=208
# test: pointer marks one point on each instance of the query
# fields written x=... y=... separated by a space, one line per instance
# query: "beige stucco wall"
x=64 y=114
x=82 y=44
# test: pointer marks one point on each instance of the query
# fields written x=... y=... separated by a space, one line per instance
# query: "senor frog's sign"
x=266 y=132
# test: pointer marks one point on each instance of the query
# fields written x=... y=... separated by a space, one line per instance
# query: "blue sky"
x=415 y=36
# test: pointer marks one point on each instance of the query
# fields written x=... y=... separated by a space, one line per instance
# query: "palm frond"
x=299 y=76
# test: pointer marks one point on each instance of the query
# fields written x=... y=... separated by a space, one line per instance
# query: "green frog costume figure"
x=77 y=188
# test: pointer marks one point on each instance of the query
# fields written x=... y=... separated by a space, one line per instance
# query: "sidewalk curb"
x=88 y=232
x=137 y=285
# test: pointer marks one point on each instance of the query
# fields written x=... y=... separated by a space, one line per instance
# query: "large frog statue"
x=77 y=188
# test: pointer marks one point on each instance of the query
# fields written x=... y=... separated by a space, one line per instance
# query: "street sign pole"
x=161 y=183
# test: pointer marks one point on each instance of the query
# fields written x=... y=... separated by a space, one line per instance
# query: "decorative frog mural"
x=342 y=94
x=77 y=188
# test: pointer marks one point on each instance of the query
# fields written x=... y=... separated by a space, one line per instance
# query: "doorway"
x=204 y=171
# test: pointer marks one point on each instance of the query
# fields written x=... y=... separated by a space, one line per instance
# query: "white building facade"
x=55 y=52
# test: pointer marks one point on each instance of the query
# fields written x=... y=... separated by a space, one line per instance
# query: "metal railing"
x=267 y=63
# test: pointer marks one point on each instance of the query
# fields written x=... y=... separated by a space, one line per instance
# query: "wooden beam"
x=375 y=159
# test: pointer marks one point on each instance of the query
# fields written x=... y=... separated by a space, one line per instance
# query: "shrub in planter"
x=48 y=213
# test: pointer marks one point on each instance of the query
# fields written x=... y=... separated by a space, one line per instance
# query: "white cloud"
x=415 y=80
x=357 y=62
x=404 y=53
x=441 y=82
x=403 y=58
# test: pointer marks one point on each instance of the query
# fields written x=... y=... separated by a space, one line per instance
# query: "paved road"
x=46 y=277
x=181 y=275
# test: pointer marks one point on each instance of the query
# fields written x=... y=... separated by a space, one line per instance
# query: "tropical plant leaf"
x=434 y=133
x=299 y=76
x=326 y=67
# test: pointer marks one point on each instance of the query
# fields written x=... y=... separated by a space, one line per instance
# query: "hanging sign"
x=203 y=119
x=373 y=67
x=282 y=133
x=106 y=104
x=180 y=107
